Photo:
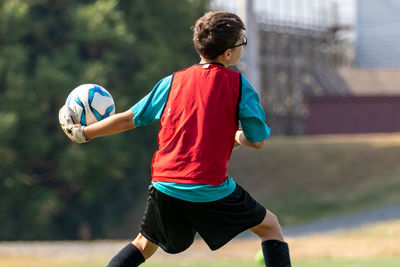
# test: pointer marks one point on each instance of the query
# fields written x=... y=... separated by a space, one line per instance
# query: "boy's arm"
x=252 y=118
x=241 y=139
x=81 y=134
x=114 y=124
x=142 y=113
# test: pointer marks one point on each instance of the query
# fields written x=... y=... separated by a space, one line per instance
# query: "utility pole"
x=251 y=67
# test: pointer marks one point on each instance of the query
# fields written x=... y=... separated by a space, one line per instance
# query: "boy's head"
x=215 y=32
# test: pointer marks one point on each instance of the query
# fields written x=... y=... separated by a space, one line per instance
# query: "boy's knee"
x=145 y=246
x=270 y=221
x=269 y=228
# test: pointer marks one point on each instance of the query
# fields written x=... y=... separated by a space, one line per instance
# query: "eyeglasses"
x=243 y=43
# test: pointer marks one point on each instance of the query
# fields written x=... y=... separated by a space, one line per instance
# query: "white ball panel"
x=101 y=103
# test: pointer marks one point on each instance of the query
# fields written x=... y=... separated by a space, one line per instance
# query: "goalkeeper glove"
x=69 y=123
x=236 y=144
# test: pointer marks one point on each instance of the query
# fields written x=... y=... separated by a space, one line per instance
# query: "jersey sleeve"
x=251 y=114
x=150 y=107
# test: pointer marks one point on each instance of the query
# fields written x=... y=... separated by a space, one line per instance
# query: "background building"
x=378 y=34
x=367 y=97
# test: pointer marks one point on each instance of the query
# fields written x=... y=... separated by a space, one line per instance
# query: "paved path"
x=355 y=220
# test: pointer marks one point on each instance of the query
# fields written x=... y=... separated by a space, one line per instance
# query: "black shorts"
x=172 y=223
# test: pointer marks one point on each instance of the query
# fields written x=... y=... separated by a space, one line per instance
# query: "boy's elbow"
x=126 y=120
x=129 y=123
x=258 y=145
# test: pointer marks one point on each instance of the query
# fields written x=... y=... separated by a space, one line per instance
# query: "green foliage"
x=49 y=187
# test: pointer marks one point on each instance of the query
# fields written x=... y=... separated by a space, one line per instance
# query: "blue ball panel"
x=98 y=116
x=96 y=89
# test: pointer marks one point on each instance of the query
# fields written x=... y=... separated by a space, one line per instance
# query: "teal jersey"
x=252 y=120
x=197 y=192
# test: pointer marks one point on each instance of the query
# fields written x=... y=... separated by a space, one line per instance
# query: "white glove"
x=69 y=123
x=236 y=145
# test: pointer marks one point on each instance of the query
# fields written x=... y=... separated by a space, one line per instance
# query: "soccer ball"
x=91 y=103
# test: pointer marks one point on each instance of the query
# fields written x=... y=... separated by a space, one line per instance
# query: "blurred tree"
x=49 y=187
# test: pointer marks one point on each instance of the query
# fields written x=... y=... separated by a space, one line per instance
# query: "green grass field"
x=381 y=262
x=313 y=177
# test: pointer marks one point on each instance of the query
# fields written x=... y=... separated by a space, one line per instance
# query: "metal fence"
x=297 y=41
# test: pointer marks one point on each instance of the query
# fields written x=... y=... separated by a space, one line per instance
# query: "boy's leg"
x=146 y=247
x=269 y=228
x=134 y=254
x=275 y=249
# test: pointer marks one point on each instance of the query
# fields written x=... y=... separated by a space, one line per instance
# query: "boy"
x=199 y=110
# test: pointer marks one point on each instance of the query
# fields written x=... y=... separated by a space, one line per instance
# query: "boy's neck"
x=210 y=61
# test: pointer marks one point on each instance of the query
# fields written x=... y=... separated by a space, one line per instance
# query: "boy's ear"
x=227 y=54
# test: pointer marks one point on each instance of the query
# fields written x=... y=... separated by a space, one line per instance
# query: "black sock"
x=276 y=253
x=129 y=256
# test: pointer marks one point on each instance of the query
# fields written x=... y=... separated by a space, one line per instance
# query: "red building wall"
x=353 y=114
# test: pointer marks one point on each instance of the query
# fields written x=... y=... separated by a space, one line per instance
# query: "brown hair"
x=215 y=32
